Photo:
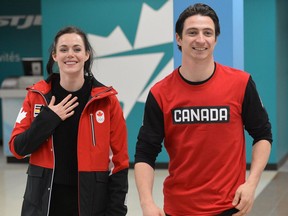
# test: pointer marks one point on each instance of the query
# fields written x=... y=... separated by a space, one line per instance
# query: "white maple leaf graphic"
x=21 y=115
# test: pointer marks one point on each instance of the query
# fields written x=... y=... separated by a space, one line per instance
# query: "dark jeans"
x=228 y=212
x=64 y=200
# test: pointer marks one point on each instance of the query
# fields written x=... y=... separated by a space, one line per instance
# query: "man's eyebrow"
x=195 y=28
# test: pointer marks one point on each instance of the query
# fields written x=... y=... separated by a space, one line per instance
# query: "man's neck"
x=197 y=71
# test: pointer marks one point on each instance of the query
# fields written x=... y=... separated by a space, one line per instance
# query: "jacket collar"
x=99 y=90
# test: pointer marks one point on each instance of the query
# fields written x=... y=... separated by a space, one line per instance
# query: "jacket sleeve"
x=30 y=132
x=254 y=115
x=119 y=164
x=151 y=133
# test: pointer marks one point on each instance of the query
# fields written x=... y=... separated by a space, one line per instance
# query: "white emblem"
x=100 y=116
x=21 y=115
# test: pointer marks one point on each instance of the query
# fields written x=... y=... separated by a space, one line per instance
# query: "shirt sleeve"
x=254 y=115
x=40 y=129
x=151 y=133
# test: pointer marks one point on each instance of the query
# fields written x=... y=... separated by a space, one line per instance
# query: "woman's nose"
x=70 y=53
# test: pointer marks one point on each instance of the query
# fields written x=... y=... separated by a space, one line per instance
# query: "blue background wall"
x=266 y=58
x=253 y=37
x=282 y=78
x=230 y=48
x=96 y=21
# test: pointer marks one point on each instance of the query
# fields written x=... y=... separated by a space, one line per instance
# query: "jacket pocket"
x=35 y=186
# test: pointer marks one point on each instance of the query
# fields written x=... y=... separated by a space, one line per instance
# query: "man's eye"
x=208 y=33
x=192 y=33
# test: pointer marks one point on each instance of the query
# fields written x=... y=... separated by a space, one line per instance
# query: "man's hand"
x=152 y=210
x=244 y=199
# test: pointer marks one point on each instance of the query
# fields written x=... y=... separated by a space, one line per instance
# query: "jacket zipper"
x=92 y=130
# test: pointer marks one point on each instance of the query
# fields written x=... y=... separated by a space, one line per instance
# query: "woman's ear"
x=87 y=56
x=54 y=56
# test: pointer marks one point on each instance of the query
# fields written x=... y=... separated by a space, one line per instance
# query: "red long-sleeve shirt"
x=202 y=126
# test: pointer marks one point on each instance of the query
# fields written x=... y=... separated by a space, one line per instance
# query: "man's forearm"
x=260 y=155
x=144 y=177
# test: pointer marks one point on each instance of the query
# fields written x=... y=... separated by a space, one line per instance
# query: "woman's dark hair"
x=201 y=9
x=88 y=48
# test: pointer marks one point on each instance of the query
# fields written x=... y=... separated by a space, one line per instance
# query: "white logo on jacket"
x=21 y=115
x=100 y=116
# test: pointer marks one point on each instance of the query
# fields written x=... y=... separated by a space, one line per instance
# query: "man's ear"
x=178 y=39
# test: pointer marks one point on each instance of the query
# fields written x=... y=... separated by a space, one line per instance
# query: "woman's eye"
x=77 y=50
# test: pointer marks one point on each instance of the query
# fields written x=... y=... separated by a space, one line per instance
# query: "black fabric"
x=37 y=191
x=40 y=130
x=197 y=83
x=64 y=200
x=65 y=135
x=254 y=115
x=94 y=193
x=151 y=132
x=117 y=198
x=228 y=212
x=100 y=194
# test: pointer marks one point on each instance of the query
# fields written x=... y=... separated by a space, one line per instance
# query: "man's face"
x=198 y=38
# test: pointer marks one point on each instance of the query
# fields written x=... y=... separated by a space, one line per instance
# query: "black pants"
x=228 y=212
x=64 y=200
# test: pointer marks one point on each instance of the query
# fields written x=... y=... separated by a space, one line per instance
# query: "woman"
x=73 y=129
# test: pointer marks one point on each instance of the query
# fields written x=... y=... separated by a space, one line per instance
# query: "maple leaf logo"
x=100 y=116
x=21 y=115
x=151 y=56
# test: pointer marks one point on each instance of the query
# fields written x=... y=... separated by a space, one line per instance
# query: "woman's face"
x=70 y=54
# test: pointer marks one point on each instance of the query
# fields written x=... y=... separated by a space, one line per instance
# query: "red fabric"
x=207 y=158
x=110 y=151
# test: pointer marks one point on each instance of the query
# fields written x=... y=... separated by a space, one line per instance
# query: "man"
x=200 y=111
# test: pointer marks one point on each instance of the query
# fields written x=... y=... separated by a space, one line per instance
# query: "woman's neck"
x=72 y=83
